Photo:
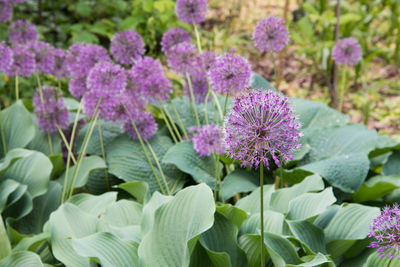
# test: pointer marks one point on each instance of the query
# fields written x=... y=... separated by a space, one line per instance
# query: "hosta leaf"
x=187 y=215
x=94 y=205
x=251 y=246
x=375 y=260
x=22 y=259
x=139 y=190
x=149 y=210
x=317 y=260
x=259 y=82
x=251 y=203
x=392 y=166
x=5 y=246
x=309 y=234
x=123 y=213
x=280 y=249
x=111 y=250
x=40 y=142
x=273 y=223
x=239 y=181
x=234 y=214
x=376 y=187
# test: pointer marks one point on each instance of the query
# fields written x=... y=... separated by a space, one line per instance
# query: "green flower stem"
x=342 y=88
x=178 y=134
x=221 y=114
x=175 y=184
x=196 y=31
x=206 y=106
x=50 y=143
x=262 y=212
x=159 y=167
x=275 y=72
x=193 y=100
x=16 y=87
x=179 y=120
x=103 y=153
x=3 y=138
x=66 y=144
x=168 y=126
x=225 y=103
x=216 y=178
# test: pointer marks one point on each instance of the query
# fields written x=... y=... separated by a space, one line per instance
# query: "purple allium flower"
x=60 y=68
x=191 y=11
x=22 y=32
x=199 y=86
x=23 y=62
x=126 y=107
x=271 y=35
x=347 y=52
x=133 y=92
x=182 y=57
x=72 y=56
x=50 y=110
x=126 y=47
x=385 y=229
x=106 y=105
x=145 y=124
x=6 y=56
x=44 y=56
x=207 y=140
x=230 y=73
x=77 y=87
x=16 y=1
x=173 y=37
x=207 y=60
x=149 y=76
x=261 y=126
x=106 y=79
x=5 y=11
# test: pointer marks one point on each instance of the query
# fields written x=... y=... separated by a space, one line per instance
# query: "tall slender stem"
x=193 y=100
x=159 y=167
x=179 y=120
x=50 y=144
x=206 y=106
x=178 y=134
x=168 y=126
x=196 y=31
x=67 y=145
x=342 y=88
x=225 y=103
x=16 y=87
x=221 y=114
x=103 y=153
x=275 y=72
x=262 y=211
x=216 y=178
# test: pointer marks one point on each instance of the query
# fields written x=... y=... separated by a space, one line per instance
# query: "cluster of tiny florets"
x=207 y=140
x=44 y=56
x=22 y=32
x=347 y=52
x=6 y=56
x=127 y=47
x=271 y=35
x=23 y=62
x=182 y=57
x=191 y=11
x=173 y=37
x=145 y=124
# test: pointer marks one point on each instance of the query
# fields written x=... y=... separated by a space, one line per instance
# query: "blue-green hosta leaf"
x=273 y=223
x=377 y=187
x=375 y=260
x=281 y=250
x=40 y=142
x=22 y=259
x=5 y=245
x=392 y=166
x=259 y=82
x=137 y=189
x=94 y=205
x=251 y=246
x=179 y=222
x=309 y=234
x=239 y=181
x=317 y=260
x=111 y=250
x=234 y=214
x=122 y=213
x=16 y=128
x=251 y=203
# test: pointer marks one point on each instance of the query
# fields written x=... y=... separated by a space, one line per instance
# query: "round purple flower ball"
x=44 y=56
x=127 y=46
x=127 y=107
x=51 y=113
x=199 y=83
x=271 y=35
x=22 y=32
x=5 y=11
x=23 y=62
x=191 y=11
x=145 y=124
x=59 y=69
x=85 y=57
x=207 y=60
x=347 y=52
x=261 y=126
x=106 y=79
x=230 y=74
x=134 y=92
x=72 y=55
x=149 y=76
x=173 y=37
x=105 y=107
x=207 y=140
x=183 y=57
x=77 y=87
x=6 y=56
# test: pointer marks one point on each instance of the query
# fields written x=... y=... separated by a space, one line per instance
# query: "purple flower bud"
x=271 y=35
x=126 y=47
x=191 y=11
x=347 y=52
x=207 y=140
x=173 y=37
x=22 y=32
x=6 y=56
x=23 y=62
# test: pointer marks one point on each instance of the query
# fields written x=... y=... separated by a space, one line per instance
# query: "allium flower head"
x=207 y=140
x=271 y=35
x=105 y=107
x=145 y=124
x=59 y=69
x=150 y=78
x=126 y=47
x=6 y=56
x=72 y=56
x=126 y=108
x=347 y=52
x=385 y=229
x=173 y=37
x=22 y=32
x=23 y=62
x=133 y=91
x=77 y=87
x=44 y=56
x=261 y=126
x=5 y=11
x=191 y=11
x=230 y=74
x=199 y=83
x=50 y=110
x=207 y=60
x=182 y=57
x=86 y=57
x=106 y=79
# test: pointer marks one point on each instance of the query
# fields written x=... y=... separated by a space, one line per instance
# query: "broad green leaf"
x=317 y=260
x=281 y=251
x=234 y=214
x=309 y=234
x=149 y=210
x=239 y=181
x=111 y=250
x=94 y=205
x=199 y=257
x=273 y=223
x=22 y=259
x=281 y=198
x=185 y=158
x=40 y=142
x=13 y=156
x=374 y=260
x=5 y=246
x=251 y=246
x=259 y=82
x=323 y=220
x=16 y=128
x=31 y=242
x=392 y=166
x=19 y=203
x=308 y=205
x=137 y=189
x=251 y=203
x=187 y=215
x=376 y=187
x=220 y=242
x=7 y=187
x=123 y=213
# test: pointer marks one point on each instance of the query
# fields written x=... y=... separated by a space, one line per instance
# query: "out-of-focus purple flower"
x=183 y=57
x=191 y=11
x=50 y=110
x=261 y=126
x=207 y=140
x=133 y=91
x=23 y=62
x=77 y=87
x=72 y=55
x=17 y=1
x=199 y=84
x=385 y=229
x=6 y=56
x=106 y=79
x=126 y=47
x=5 y=11
x=271 y=35
x=22 y=32
x=347 y=52
x=150 y=78
x=145 y=124
x=127 y=107
x=230 y=74
x=106 y=105
x=60 y=68
x=44 y=56
x=173 y=37
x=207 y=60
